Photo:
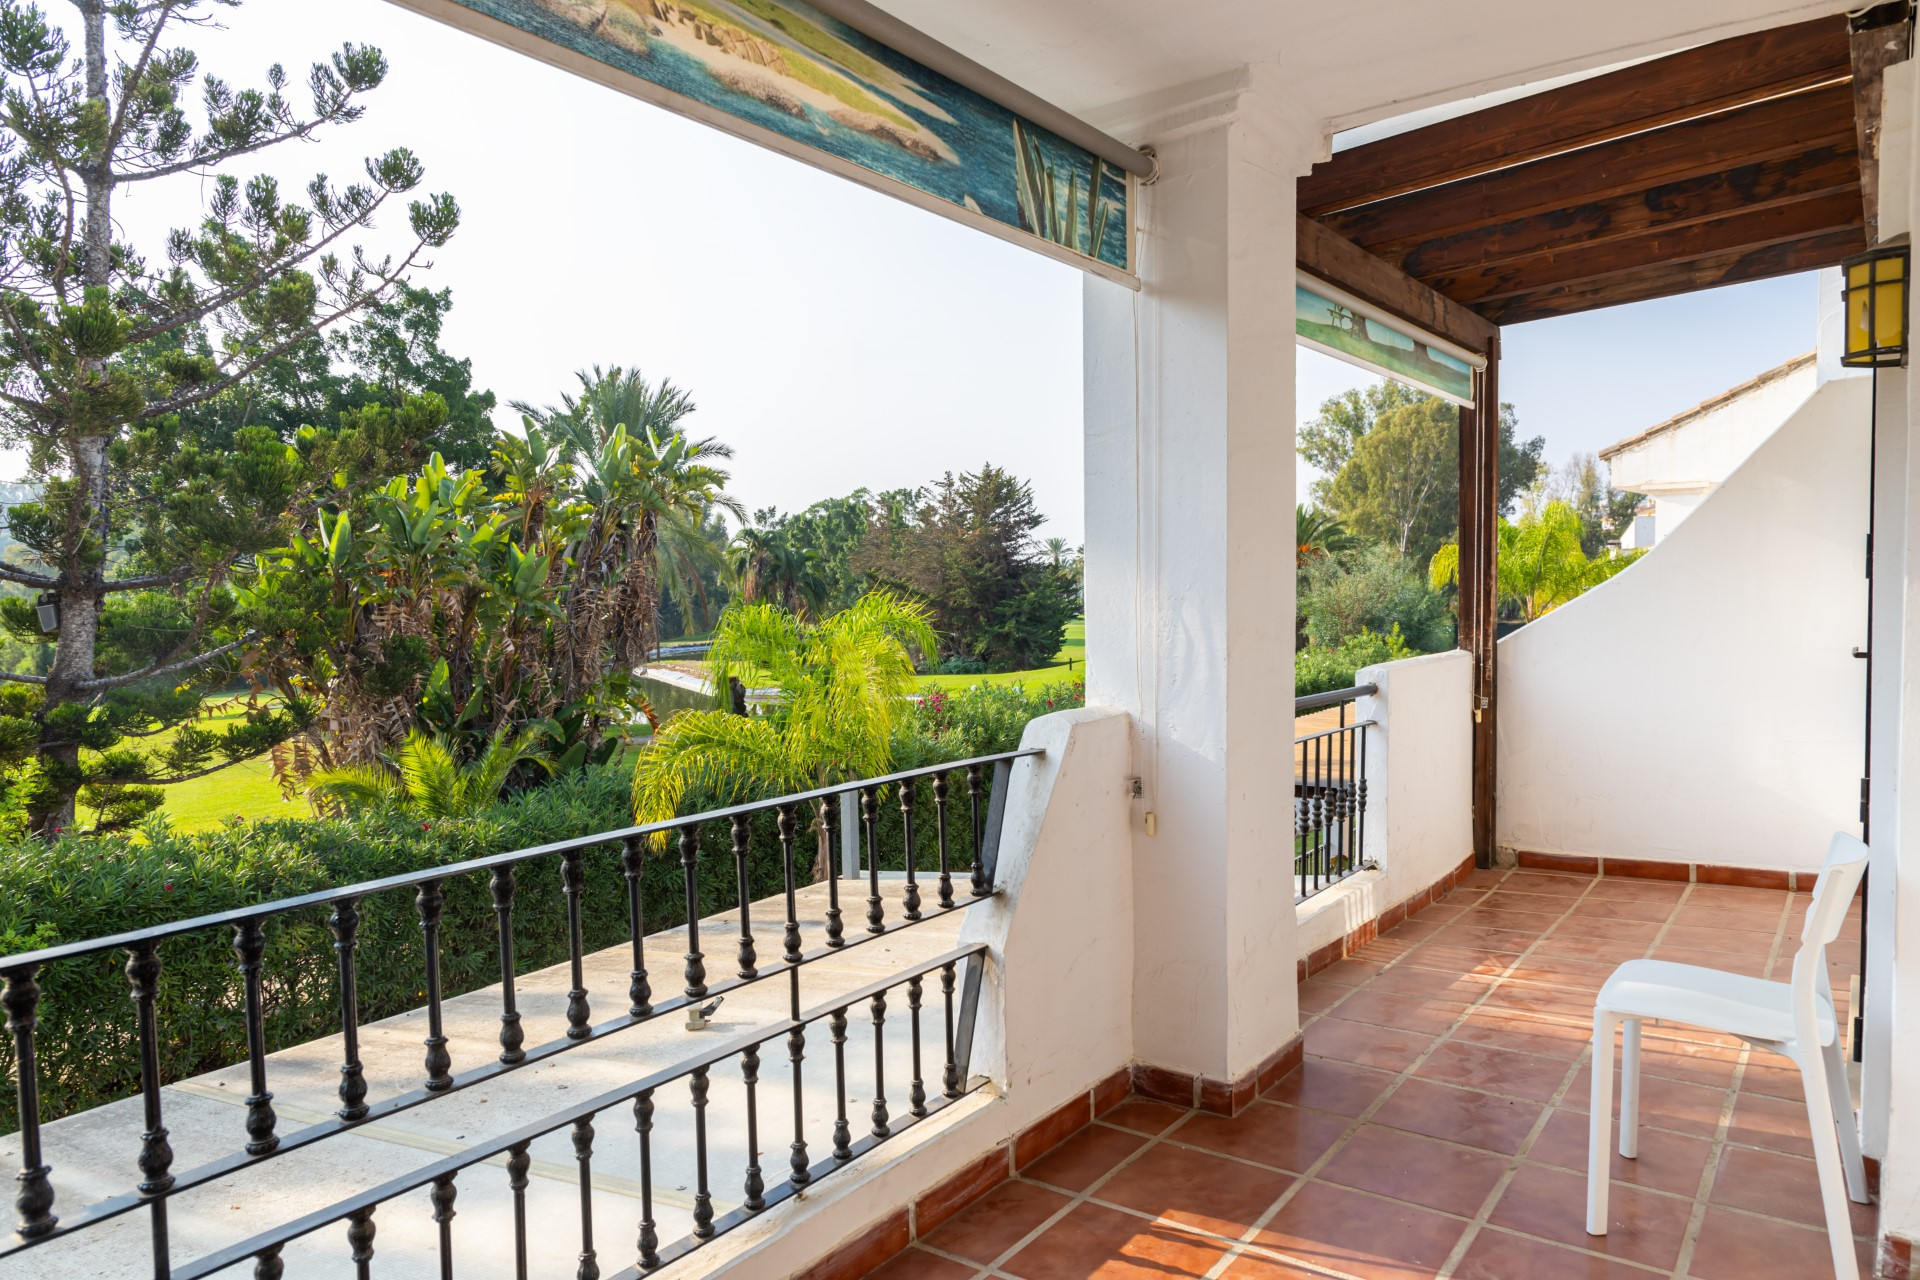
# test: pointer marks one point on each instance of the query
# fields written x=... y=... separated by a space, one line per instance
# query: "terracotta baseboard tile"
x=1872 y=1165
x=1226 y=1099
x=1281 y=1063
x=948 y=1198
x=1743 y=877
x=1163 y=1084
x=1573 y=862
x=1392 y=916
x=866 y=1251
x=1052 y=1129
x=1642 y=869
x=1895 y=1259
x=1111 y=1092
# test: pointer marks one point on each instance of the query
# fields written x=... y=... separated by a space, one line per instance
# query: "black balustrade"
x=1329 y=794
x=23 y=977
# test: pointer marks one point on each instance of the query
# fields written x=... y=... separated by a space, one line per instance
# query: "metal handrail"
x=1332 y=698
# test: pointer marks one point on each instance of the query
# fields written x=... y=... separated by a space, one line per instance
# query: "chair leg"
x=1630 y=1088
x=1826 y=1159
x=1846 y=1123
x=1600 y=1121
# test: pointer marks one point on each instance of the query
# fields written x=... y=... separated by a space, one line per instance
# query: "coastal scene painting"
x=788 y=68
x=1346 y=334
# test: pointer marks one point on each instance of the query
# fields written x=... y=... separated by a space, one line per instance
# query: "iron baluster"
x=156 y=1153
x=750 y=1077
x=633 y=861
x=940 y=831
x=870 y=825
x=649 y=1243
x=429 y=901
x=512 y=1037
x=830 y=823
x=249 y=945
x=360 y=1242
x=950 y=1077
x=344 y=924
x=842 y=1133
x=798 y=1169
x=912 y=903
x=791 y=940
x=583 y=1156
x=690 y=870
x=268 y=1264
x=573 y=877
x=518 y=1162
x=35 y=1196
x=879 y=1007
x=702 y=1193
x=742 y=835
x=980 y=885
x=441 y=1197
x=917 y=1095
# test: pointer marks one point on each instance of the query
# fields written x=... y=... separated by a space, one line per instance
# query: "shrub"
x=1318 y=670
x=1373 y=590
x=977 y=721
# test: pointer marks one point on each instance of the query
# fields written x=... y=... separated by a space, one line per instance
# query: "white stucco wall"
x=1704 y=706
x=1056 y=1008
x=1419 y=757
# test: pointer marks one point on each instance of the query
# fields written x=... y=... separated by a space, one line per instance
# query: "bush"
x=1372 y=590
x=1318 y=670
x=978 y=721
x=959 y=666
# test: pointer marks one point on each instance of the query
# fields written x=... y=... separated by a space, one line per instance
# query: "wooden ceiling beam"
x=1773 y=130
x=1338 y=261
x=1879 y=38
x=1752 y=187
x=1712 y=78
x=1661 y=280
x=1743 y=232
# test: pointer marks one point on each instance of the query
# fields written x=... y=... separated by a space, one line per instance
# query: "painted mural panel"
x=788 y=68
x=1345 y=334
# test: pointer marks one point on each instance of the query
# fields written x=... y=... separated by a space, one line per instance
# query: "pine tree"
x=139 y=526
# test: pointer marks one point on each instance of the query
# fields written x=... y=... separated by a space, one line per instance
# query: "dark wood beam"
x=1672 y=205
x=1479 y=597
x=1743 y=232
x=1660 y=280
x=1714 y=77
x=1773 y=130
x=1338 y=261
x=1878 y=38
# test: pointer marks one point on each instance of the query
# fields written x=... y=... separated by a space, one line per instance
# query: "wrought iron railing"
x=953 y=885
x=1329 y=793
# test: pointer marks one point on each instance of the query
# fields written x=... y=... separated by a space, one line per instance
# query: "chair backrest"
x=1839 y=880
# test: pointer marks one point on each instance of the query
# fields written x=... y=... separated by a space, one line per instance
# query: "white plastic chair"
x=1792 y=1018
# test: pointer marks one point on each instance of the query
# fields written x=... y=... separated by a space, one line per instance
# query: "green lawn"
x=245 y=790
x=1073 y=649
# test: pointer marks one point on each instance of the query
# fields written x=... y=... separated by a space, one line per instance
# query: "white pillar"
x=1190 y=600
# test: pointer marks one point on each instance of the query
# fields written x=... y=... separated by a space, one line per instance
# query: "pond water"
x=670 y=699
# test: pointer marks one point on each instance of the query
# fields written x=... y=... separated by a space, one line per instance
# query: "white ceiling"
x=1356 y=60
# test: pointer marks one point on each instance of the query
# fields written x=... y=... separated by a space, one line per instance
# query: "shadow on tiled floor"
x=1438 y=1128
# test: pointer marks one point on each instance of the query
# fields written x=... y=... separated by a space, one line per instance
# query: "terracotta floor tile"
x=1617 y=887
x=1664 y=1103
x=1196 y=1189
x=1444 y=957
x=1752 y=964
x=918 y=1264
x=1318 y=996
x=1496 y=1255
x=1441 y=912
x=1462 y=933
x=1742 y=919
x=1518 y=1075
x=1730 y=895
x=1097 y=1243
x=995 y=1222
x=1581 y=925
x=1482 y=878
x=1655 y=910
x=1557 y=1002
x=1671 y=1162
x=1456 y=1115
x=1432 y=984
x=1085 y=1158
x=1584 y=976
x=1351 y=972
x=1495 y=913
x=1642 y=1226
x=1704 y=1064
x=1360 y=1235
x=1144 y=1115
x=1434 y=1175
x=1779 y=1185
x=1327 y=1085
x=1761 y=1121
x=1558 y=883
x=1253 y=1266
x=1595 y=950
x=1413 y=930
x=1773 y=1075
x=1525 y=1033
x=1704 y=938
x=1288 y=1138
x=1366 y=1045
x=1403 y=1013
x=1739 y=1246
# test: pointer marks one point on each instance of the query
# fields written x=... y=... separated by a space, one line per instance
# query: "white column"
x=1190 y=600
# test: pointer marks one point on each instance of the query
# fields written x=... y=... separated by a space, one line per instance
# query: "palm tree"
x=767 y=569
x=425 y=779
x=845 y=684
x=1058 y=549
x=1317 y=535
x=610 y=398
x=1539 y=564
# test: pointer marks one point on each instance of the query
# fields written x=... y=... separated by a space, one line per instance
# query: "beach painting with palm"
x=784 y=67
x=1346 y=334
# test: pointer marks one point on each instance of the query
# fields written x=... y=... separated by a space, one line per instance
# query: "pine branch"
x=165 y=9
x=25 y=578
x=22 y=679
x=171 y=578
x=201 y=773
x=106 y=683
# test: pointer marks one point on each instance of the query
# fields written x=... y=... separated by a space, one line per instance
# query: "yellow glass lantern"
x=1874 y=285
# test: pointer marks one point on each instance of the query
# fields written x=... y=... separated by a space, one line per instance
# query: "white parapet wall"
x=1057 y=1008
x=1419 y=816
x=1704 y=706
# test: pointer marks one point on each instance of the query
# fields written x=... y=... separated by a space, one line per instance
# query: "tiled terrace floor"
x=1438 y=1127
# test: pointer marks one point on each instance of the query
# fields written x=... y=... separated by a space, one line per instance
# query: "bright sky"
x=835 y=337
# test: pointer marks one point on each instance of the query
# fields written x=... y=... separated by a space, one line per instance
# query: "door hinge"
x=1866 y=797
